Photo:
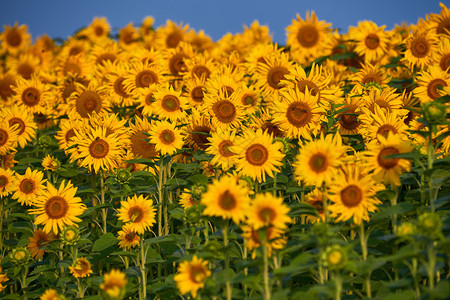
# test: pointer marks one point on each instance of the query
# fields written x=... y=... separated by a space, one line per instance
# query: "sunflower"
x=226 y=198
x=146 y=26
x=382 y=122
x=28 y=186
x=37 y=241
x=175 y=57
x=225 y=111
x=387 y=99
x=6 y=182
x=268 y=210
x=139 y=211
x=352 y=196
x=73 y=46
x=187 y=199
x=275 y=239
x=143 y=74
x=57 y=208
x=371 y=40
x=319 y=160
x=264 y=120
x=442 y=55
x=128 y=238
x=195 y=89
x=223 y=80
x=259 y=54
x=114 y=284
x=441 y=22
x=3 y=278
x=201 y=42
x=96 y=150
x=317 y=81
x=80 y=268
x=370 y=74
x=24 y=122
x=116 y=87
x=8 y=137
x=74 y=65
x=199 y=66
x=268 y=76
x=66 y=135
x=349 y=111
x=257 y=154
x=7 y=82
x=145 y=100
x=297 y=113
x=15 y=39
x=140 y=147
x=170 y=104
x=98 y=29
x=86 y=100
x=51 y=294
x=315 y=199
x=388 y=169
x=24 y=66
x=249 y=97
x=104 y=51
x=308 y=36
x=128 y=36
x=192 y=275
x=50 y=163
x=31 y=95
x=166 y=137
x=429 y=84
x=220 y=141
x=420 y=47
x=171 y=34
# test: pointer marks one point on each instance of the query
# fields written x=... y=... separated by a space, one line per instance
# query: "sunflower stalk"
x=430 y=152
x=431 y=264
x=227 y=259
x=102 y=201
x=338 y=285
x=143 y=254
x=363 y=239
x=267 y=295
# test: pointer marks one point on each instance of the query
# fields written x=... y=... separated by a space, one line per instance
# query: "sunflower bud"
x=286 y=145
x=434 y=112
x=122 y=176
x=406 y=230
x=20 y=256
x=197 y=190
x=45 y=141
x=70 y=235
x=430 y=224
x=334 y=257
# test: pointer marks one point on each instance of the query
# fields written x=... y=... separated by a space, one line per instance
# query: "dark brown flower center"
x=318 y=163
x=119 y=88
x=5 y=87
x=351 y=196
x=88 y=102
x=197 y=274
x=225 y=111
x=420 y=47
x=387 y=162
x=99 y=148
x=31 y=96
x=443 y=26
x=167 y=137
x=140 y=147
x=249 y=100
x=173 y=39
x=176 y=63
x=27 y=186
x=71 y=67
x=197 y=94
x=20 y=124
x=385 y=129
x=4 y=136
x=56 y=207
x=146 y=78
x=200 y=71
x=267 y=215
x=298 y=114
x=170 y=103
x=3 y=181
x=13 y=37
x=275 y=75
x=308 y=36
x=444 y=63
x=257 y=155
x=69 y=135
x=101 y=59
x=348 y=119
x=200 y=136
x=433 y=87
x=224 y=148
x=227 y=201
x=372 y=41
x=135 y=214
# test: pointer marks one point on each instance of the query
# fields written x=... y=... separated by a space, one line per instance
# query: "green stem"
x=143 y=271
x=363 y=240
x=266 y=273
x=431 y=264
x=416 y=281
x=394 y=216
x=338 y=285
x=102 y=201
x=325 y=203
x=430 y=167
x=227 y=261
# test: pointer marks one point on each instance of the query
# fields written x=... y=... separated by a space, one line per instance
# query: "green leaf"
x=400 y=208
x=105 y=241
x=29 y=160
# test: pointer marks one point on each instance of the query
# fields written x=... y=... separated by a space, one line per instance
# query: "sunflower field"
x=156 y=163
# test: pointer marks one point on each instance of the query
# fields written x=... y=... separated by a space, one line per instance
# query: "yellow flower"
x=28 y=186
x=51 y=294
x=37 y=241
x=192 y=275
x=275 y=239
x=80 y=268
x=57 y=208
x=23 y=121
x=429 y=83
x=257 y=154
x=113 y=285
x=128 y=238
x=226 y=198
x=166 y=137
x=220 y=142
x=139 y=211
x=15 y=39
x=318 y=160
x=50 y=163
x=371 y=40
x=6 y=182
x=268 y=210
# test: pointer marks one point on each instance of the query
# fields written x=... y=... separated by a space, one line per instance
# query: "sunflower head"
x=430 y=224
x=70 y=235
x=20 y=256
x=192 y=275
x=335 y=257
x=113 y=286
x=80 y=268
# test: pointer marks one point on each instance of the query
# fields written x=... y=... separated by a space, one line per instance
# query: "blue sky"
x=61 y=18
